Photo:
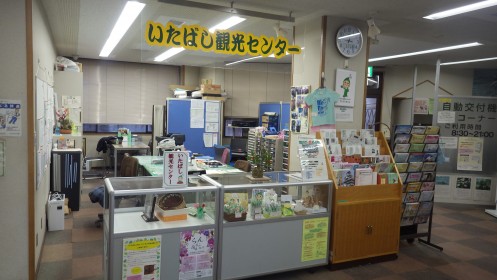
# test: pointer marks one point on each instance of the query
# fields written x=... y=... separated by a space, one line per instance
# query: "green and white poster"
x=314 y=239
x=141 y=258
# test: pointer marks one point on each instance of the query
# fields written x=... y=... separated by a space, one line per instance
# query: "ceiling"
x=81 y=27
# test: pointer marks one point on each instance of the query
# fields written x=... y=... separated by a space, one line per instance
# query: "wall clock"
x=349 y=40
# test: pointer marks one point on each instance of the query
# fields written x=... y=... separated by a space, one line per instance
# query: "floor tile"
x=86 y=267
x=428 y=274
x=88 y=248
x=464 y=271
x=403 y=264
x=480 y=245
x=57 y=237
x=57 y=252
x=488 y=225
x=461 y=252
x=87 y=234
x=472 y=229
x=486 y=263
x=450 y=233
x=55 y=271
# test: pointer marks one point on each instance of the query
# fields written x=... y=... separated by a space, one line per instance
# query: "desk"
x=127 y=146
x=157 y=169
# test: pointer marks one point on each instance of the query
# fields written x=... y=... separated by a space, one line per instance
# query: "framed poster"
x=345 y=86
x=299 y=113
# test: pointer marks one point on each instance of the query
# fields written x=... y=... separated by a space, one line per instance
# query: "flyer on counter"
x=312 y=159
x=141 y=258
x=196 y=256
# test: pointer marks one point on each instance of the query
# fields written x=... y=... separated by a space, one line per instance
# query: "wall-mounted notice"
x=314 y=239
x=2 y=158
x=483 y=189
x=345 y=86
x=299 y=113
x=344 y=114
x=463 y=188
x=196 y=256
x=10 y=117
x=470 y=154
x=421 y=106
x=442 y=185
x=141 y=258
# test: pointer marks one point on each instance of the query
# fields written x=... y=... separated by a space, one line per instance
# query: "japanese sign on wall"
x=345 y=86
x=469 y=119
x=198 y=38
x=175 y=169
x=196 y=254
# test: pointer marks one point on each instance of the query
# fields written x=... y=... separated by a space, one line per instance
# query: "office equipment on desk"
x=282 y=109
x=238 y=148
x=66 y=175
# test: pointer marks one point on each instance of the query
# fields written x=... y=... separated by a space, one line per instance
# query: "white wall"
x=43 y=59
x=397 y=79
x=14 y=184
x=248 y=84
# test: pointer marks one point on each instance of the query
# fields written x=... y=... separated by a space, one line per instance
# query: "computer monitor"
x=238 y=145
x=179 y=138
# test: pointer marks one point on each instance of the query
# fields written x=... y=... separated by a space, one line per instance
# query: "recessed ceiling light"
x=130 y=12
x=469 y=61
x=474 y=44
x=462 y=10
x=169 y=53
x=230 y=22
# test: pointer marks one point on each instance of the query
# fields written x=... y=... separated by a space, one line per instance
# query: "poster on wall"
x=10 y=118
x=314 y=239
x=483 y=189
x=196 y=259
x=345 y=86
x=442 y=186
x=463 y=188
x=141 y=258
x=299 y=113
x=421 y=106
x=470 y=154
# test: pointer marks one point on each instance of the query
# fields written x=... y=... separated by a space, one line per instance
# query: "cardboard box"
x=216 y=98
x=171 y=215
x=211 y=88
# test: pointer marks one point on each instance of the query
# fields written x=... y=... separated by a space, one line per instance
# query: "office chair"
x=222 y=154
x=88 y=162
x=243 y=165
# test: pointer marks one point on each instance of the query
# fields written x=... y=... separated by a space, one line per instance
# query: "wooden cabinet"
x=365 y=228
x=365 y=219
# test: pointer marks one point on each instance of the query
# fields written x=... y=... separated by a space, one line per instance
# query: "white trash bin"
x=55 y=215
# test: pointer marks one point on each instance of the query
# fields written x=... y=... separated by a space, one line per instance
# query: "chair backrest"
x=218 y=151
x=129 y=166
x=226 y=156
x=242 y=165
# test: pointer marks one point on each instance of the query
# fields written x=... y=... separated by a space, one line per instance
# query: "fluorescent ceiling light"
x=462 y=10
x=130 y=12
x=474 y=44
x=167 y=54
x=230 y=22
x=243 y=60
x=469 y=61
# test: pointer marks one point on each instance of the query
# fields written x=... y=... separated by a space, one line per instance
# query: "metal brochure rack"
x=416 y=147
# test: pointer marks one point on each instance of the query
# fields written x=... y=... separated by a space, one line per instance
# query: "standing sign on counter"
x=175 y=169
x=312 y=159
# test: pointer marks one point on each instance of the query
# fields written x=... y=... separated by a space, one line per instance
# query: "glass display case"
x=274 y=224
x=160 y=232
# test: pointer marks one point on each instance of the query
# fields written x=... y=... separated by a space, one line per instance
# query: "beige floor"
x=467 y=234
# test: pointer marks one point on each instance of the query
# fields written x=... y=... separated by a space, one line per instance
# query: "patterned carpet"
x=467 y=234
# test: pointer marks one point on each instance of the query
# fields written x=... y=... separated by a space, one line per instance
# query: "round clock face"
x=349 y=40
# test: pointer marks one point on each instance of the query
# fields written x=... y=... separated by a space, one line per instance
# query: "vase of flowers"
x=63 y=121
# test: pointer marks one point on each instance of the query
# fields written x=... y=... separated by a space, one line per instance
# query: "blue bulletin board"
x=178 y=121
x=281 y=108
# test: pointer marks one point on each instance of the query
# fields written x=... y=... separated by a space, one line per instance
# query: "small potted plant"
x=261 y=161
x=64 y=123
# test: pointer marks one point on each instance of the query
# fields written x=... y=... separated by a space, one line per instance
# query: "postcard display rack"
x=366 y=196
x=162 y=249
x=415 y=151
x=274 y=225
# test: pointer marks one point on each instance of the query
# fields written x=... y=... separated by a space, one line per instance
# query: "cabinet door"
x=365 y=229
